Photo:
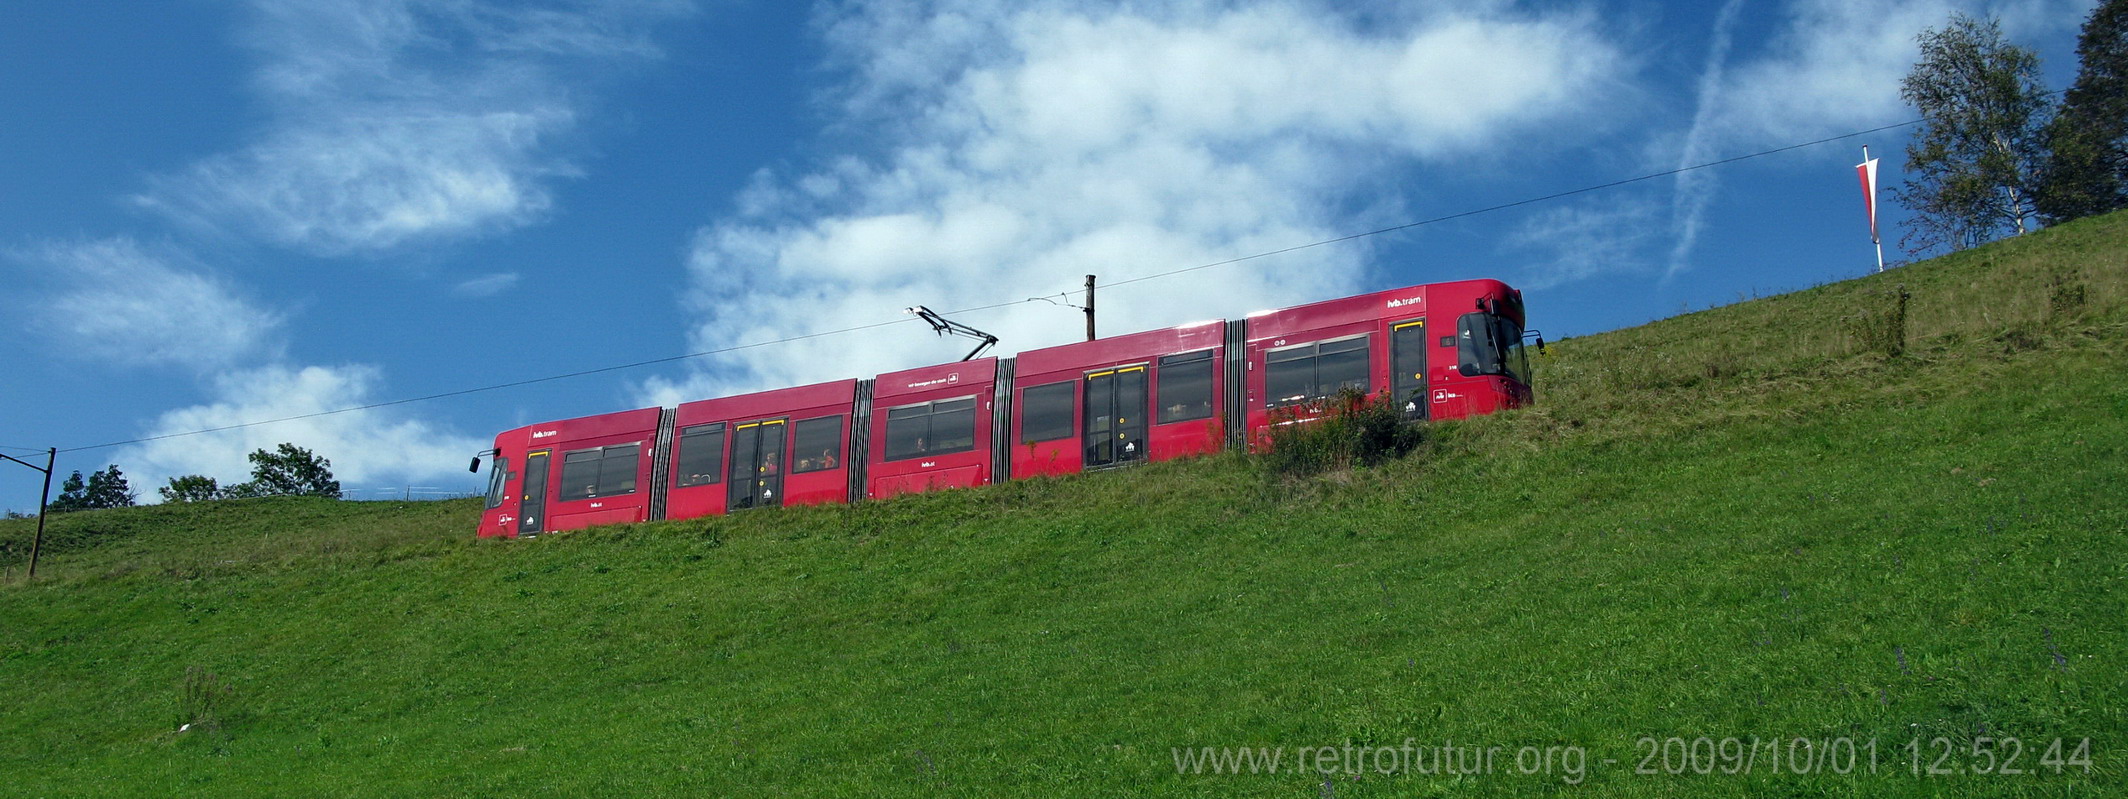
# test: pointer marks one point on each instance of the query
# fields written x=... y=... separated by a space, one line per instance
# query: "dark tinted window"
x=1341 y=365
x=1185 y=391
x=701 y=455
x=532 y=507
x=1289 y=375
x=602 y=472
x=580 y=474
x=1474 y=345
x=953 y=425
x=617 y=470
x=1046 y=412
x=933 y=428
x=498 y=481
x=1407 y=367
x=1315 y=371
x=1489 y=345
x=908 y=432
x=816 y=444
x=1512 y=358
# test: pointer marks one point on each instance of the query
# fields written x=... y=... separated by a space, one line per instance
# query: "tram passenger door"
x=1407 y=366
x=756 y=465
x=1115 y=417
x=532 y=506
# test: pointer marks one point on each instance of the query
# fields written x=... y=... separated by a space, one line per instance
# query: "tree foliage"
x=288 y=470
x=108 y=489
x=104 y=489
x=243 y=490
x=2087 y=160
x=191 y=488
x=73 y=495
x=1976 y=159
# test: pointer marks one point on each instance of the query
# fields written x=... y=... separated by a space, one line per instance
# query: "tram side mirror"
x=475 y=468
x=1539 y=336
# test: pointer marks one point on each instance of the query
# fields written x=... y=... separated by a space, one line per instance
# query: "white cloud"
x=378 y=446
x=1828 y=67
x=396 y=121
x=1695 y=189
x=1020 y=146
x=117 y=301
x=486 y=285
x=1583 y=240
x=1833 y=66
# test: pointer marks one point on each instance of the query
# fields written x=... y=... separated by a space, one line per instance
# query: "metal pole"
x=1089 y=307
x=51 y=456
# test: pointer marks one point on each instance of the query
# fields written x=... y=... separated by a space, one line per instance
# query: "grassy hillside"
x=1753 y=521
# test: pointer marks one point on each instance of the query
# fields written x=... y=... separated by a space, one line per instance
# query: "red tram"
x=1446 y=350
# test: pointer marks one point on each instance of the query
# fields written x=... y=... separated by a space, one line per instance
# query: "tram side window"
x=1342 y=365
x=498 y=481
x=1185 y=391
x=816 y=444
x=580 y=474
x=932 y=428
x=1316 y=371
x=908 y=431
x=953 y=425
x=601 y=472
x=701 y=460
x=1289 y=375
x=1046 y=412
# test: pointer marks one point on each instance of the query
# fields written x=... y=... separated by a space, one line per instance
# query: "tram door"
x=532 y=507
x=756 y=465
x=1115 y=416
x=1407 y=365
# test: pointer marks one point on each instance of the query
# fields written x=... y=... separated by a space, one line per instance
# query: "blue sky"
x=214 y=213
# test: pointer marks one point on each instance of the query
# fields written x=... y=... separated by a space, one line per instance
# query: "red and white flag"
x=1867 y=170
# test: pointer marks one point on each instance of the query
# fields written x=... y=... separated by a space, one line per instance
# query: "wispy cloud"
x=1828 y=67
x=486 y=285
x=1693 y=190
x=1018 y=146
x=388 y=123
x=396 y=121
x=1567 y=243
x=1833 y=66
x=117 y=301
x=127 y=304
x=364 y=446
